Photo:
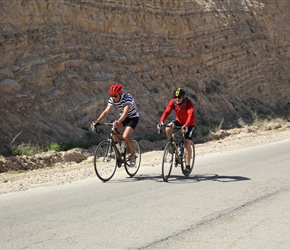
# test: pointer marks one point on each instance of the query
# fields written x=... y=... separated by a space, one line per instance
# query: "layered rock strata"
x=59 y=57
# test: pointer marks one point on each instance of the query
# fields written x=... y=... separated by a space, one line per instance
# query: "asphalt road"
x=232 y=200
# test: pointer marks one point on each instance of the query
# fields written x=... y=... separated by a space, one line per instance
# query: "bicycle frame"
x=176 y=140
x=108 y=157
x=174 y=152
x=178 y=144
x=110 y=139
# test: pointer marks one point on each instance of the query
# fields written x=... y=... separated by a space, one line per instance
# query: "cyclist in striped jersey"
x=129 y=116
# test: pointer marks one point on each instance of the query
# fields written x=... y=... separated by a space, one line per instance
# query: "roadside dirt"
x=72 y=167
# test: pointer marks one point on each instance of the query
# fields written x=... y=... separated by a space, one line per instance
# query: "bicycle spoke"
x=167 y=161
x=132 y=170
x=105 y=162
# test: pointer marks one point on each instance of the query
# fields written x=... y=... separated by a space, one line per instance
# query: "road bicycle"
x=108 y=157
x=175 y=154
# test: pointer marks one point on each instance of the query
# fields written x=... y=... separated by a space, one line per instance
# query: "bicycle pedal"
x=119 y=164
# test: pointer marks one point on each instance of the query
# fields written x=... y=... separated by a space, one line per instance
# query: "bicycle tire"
x=191 y=164
x=131 y=171
x=167 y=161
x=105 y=161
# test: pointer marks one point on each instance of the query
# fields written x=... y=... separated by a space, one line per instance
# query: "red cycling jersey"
x=184 y=112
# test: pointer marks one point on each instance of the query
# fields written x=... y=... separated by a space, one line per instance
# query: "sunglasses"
x=114 y=96
x=178 y=97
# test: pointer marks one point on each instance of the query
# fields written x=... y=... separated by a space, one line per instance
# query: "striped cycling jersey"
x=125 y=99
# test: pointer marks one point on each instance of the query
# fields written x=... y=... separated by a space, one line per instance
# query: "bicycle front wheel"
x=105 y=161
x=132 y=170
x=186 y=160
x=167 y=161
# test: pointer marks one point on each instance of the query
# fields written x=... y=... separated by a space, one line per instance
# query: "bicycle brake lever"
x=96 y=129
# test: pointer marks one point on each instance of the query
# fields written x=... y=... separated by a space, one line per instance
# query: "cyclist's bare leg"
x=127 y=138
x=187 y=144
x=169 y=130
x=116 y=136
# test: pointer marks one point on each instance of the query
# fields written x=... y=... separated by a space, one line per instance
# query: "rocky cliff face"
x=59 y=57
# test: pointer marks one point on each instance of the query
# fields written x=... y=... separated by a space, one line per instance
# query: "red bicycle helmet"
x=115 y=89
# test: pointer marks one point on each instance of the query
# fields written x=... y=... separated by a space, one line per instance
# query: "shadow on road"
x=208 y=177
x=183 y=179
x=221 y=178
x=142 y=177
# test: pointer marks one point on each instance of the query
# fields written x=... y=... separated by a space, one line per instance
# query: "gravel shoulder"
x=69 y=172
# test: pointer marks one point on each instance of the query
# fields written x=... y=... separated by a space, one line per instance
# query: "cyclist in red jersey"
x=184 y=116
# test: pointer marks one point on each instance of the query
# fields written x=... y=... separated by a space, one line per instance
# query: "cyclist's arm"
x=167 y=111
x=104 y=114
x=124 y=114
x=190 y=113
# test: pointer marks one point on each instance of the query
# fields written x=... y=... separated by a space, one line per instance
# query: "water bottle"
x=123 y=146
x=119 y=147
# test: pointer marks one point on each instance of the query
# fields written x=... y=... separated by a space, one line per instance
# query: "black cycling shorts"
x=131 y=122
x=189 y=133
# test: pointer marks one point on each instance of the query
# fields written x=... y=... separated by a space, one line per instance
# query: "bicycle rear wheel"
x=132 y=170
x=105 y=161
x=167 y=161
x=191 y=163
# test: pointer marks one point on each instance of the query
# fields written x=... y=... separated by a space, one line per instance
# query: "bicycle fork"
x=175 y=152
x=119 y=155
x=178 y=151
x=108 y=154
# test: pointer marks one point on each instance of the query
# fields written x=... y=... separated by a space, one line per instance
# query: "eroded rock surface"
x=59 y=57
